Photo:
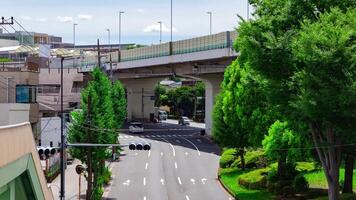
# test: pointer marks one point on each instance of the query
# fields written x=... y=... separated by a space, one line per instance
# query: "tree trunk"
x=349 y=167
x=90 y=175
x=330 y=157
x=242 y=152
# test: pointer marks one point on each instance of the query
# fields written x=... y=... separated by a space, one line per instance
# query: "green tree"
x=119 y=103
x=265 y=44
x=241 y=117
x=326 y=85
x=283 y=145
x=96 y=123
x=159 y=92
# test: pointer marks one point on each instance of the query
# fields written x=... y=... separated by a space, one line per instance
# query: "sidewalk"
x=192 y=124
x=71 y=183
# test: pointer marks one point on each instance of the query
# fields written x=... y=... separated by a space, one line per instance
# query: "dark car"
x=183 y=121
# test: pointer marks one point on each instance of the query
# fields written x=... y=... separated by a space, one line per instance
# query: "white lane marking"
x=186 y=197
x=199 y=140
x=192 y=144
x=162 y=181
x=174 y=151
x=175 y=165
x=135 y=154
x=203 y=180
x=146 y=166
x=156 y=141
x=144 y=180
x=126 y=183
x=178 y=141
x=161 y=153
x=179 y=181
x=144 y=198
x=192 y=180
x=149 y=153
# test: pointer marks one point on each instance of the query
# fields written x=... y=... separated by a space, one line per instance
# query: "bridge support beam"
x=140 y=97
x=212 y=88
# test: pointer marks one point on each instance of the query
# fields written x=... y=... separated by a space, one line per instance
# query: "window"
x=25 y=94
x=48 y=88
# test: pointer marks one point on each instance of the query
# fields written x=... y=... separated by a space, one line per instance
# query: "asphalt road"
x=181 y=165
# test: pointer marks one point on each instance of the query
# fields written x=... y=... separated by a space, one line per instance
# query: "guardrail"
x=204 y=43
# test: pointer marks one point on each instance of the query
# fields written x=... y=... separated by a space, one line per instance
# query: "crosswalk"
x=155 y=136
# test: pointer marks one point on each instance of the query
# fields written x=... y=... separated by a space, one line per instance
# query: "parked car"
x=162 y=115
x=136 y=127
x=183 y=121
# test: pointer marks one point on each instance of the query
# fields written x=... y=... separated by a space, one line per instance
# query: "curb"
x=226 y=188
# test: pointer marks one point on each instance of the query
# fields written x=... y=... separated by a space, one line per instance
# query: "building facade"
x=18 y=99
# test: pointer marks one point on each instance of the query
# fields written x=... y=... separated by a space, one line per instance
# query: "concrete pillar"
x=139 y=97
x=212 y=88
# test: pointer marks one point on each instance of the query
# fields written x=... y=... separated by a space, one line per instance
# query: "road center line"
x=175 y=165
x=186 y=197
x=192 y=144
x=179 y=181
x=144 y=180
x=149 y=153
x=174 y=151
x=144 y=198
x=146 y=166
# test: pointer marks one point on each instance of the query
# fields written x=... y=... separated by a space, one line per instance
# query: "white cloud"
x=41 y=19
x=26 y=17
x=65 y=19
x=155 y=28
x=85 y=17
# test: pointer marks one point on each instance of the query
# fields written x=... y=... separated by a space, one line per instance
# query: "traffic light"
x=140 y=146
x=46 y=151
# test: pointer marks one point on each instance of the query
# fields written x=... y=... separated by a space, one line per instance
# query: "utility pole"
x=89 y=153
x=142 y=108
x=98 y=47
x=4 y=22
x=63 y=150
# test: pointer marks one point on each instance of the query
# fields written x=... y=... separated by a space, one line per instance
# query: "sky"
x=139 y=22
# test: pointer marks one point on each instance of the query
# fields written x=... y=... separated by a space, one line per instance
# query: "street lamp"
x=108 y=30
x=74 y=58
x=74 y=34
x=171 y=20
x=248 y=10
x=121 y=12
x=211 y=20
x=160 y=31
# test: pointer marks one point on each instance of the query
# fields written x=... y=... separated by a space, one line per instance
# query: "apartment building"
x=18 y=99
x=34 y=38
x=48 y=93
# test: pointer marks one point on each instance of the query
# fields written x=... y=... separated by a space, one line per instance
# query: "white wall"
x=14 y=113
x=50 y=131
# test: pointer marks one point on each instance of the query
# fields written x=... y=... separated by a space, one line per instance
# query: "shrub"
x=300 y=183
x=253 y=159
x=255 y=179
x=227 y=158
x=305 y=167
x=106 y=176
x=272 y=176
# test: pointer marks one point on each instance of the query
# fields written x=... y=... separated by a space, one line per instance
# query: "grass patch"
x=342 y=197
x=318 y=180
x=229 y=178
